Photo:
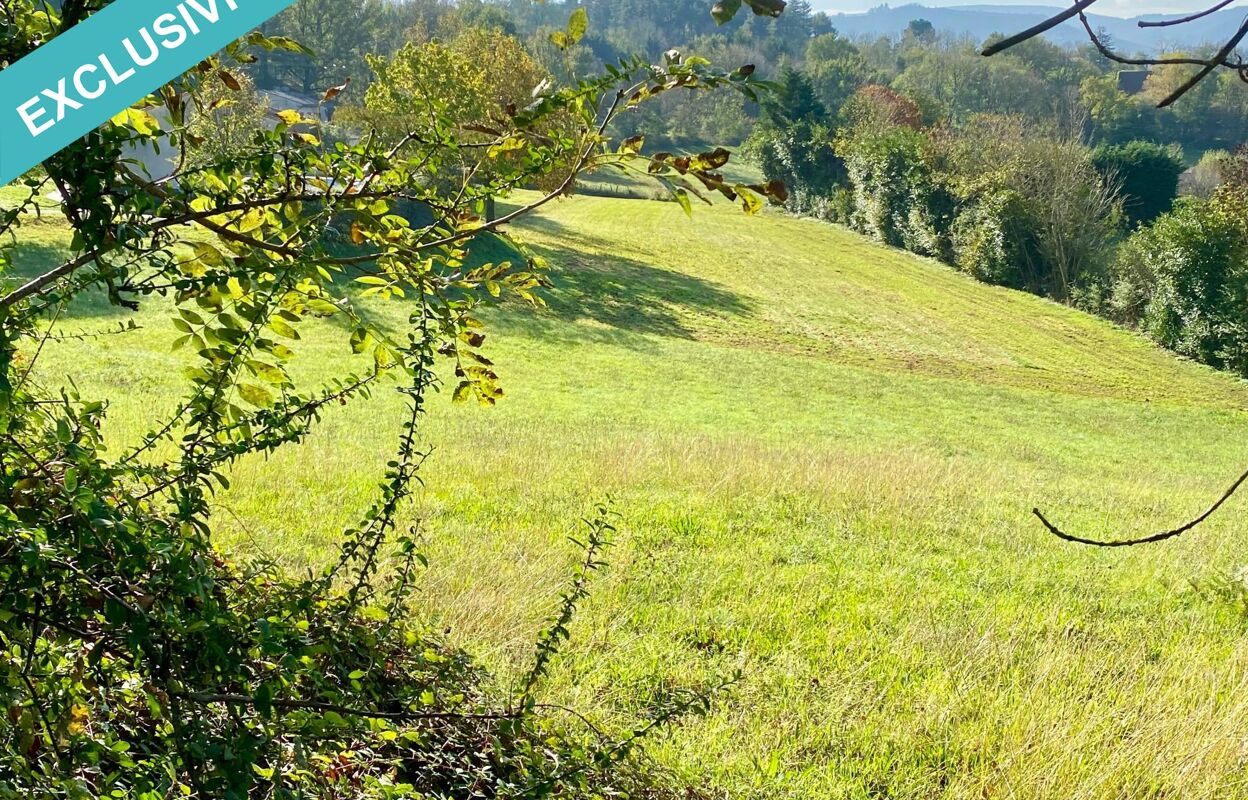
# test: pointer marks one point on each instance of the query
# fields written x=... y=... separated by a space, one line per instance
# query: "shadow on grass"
x=628 y=296
x=31 y=259
x=624 y=297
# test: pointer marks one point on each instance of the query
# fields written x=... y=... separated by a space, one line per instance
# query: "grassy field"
x=825 y=455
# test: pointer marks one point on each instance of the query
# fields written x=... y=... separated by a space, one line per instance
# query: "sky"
x=1115 y=8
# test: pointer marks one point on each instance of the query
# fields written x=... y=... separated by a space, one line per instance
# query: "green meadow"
x=824 y=455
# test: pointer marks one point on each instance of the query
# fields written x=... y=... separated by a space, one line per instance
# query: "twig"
x=1036 y=30
x=1157 y=537
x=1166 y=23
x=1207 y=65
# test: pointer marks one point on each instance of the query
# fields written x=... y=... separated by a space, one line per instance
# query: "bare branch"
x=1157 y=537
x=1223 y=57
x=1166 y=23
x=1036 y=30
x=1213 y=64
x=38 y=284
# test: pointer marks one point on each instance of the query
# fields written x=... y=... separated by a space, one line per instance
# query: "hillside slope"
x=824 y=454
x=803 y=288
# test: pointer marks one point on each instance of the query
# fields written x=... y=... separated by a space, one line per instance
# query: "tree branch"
x=1207 y=65
x=1036 y=30
x=1166 y=23
x=1157 y=537
x=37 y=285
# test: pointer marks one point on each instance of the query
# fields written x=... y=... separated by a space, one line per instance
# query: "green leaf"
x=256 y=395
x=282 y=328
x=751 y=202
x=578 y=24
x=208 y=254
x=361 y=339
x=322 y=307
x=682 y=197
x=264 y=700
x=384 y=358
x=139 y=121
x=268 y=372
x=725 y=10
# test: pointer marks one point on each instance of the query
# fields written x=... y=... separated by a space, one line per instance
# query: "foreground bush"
x=140 y=663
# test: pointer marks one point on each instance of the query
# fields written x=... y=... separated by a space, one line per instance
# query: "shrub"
x=801 y=155
x=1062 y=216
x=1184 y=282
x=896 y=199
x=1147 y=175
x=1204 y=178
x=319 y=687
x=988 y=239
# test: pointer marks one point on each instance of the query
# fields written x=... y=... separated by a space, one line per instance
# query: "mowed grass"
x=824 y=455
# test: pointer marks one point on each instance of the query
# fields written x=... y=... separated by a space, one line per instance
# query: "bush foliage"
x=1184 y=281
x=1147 y=175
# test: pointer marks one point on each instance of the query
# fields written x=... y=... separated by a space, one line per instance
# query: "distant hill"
x=978 y=22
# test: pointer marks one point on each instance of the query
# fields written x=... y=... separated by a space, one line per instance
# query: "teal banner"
x=96 y=69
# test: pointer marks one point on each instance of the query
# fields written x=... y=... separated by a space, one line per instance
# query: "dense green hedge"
x=896 y=198
x=1183 y=281
x=1148 y=176
x=989 y=239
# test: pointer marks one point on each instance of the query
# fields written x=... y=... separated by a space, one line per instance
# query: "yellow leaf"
x=79 y=715
x=290 y=117
x=253 y=219
x=256 y=395
x=138 y=120
x=208 y=254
